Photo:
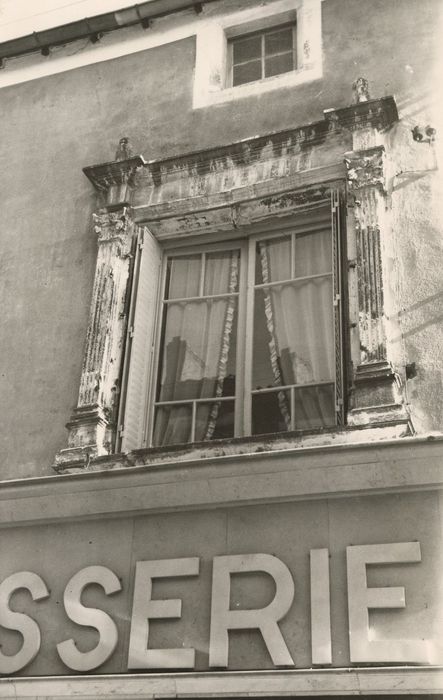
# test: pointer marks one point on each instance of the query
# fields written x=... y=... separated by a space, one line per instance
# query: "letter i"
x=321 y=648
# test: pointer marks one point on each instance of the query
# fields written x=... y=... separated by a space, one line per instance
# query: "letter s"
x=89 y=617
x=20 y=622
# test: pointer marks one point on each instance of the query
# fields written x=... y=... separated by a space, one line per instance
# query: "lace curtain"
x=196 y=348
x=299 y=323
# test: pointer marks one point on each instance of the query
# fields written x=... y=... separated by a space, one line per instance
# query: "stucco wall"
x=54 y=126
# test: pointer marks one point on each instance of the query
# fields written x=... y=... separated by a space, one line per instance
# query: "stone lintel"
x=116 y=180
x=241 y=215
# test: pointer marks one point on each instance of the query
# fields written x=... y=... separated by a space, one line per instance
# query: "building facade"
x=221 y=250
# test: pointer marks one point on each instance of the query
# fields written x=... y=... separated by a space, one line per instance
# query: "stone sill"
x=242 y=446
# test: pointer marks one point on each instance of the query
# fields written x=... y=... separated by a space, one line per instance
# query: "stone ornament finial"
x=124 y=150
x=360 y=89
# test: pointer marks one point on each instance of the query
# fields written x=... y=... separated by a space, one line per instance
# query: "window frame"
x=262 y=32
x=211 y=85
x=245 y=316
x=183 y=251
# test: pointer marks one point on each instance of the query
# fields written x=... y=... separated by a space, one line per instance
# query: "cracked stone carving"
x=92 y=426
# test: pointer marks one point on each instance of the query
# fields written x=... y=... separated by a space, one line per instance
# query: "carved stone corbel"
x=116 y=180
x=376 y=388
x=93 y=423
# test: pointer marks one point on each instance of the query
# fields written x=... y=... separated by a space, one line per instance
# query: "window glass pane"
x=183 y=277
x=214 y=420
x=266 y=360
x=313 y=254
x=172 y=425
x=271 y=412
x=314 y=407
x=273 y=260
x=246 y=49
x=198 y=349
x=293 y=334
x=279 y=41
x=246 y=73
x=279 y=64
x=221 y=272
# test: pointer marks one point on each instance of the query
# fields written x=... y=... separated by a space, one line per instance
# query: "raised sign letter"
x=144 y=609
x=89 y=617
x=265 y=619
x=20 y=622
x=363 y=649
x=320 y=608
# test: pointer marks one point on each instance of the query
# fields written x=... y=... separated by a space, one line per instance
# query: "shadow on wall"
x=418 y=305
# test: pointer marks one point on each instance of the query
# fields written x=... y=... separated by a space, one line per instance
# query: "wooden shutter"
x=140 y=343
x=337 y=213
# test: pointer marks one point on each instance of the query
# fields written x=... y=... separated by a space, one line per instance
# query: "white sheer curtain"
x=195 y=348
x=299 y=321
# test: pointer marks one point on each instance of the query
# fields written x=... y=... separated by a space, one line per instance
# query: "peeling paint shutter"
x=337 y=213
x=140 y=342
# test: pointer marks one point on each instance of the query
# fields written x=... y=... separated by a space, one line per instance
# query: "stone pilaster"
x=93 y=422
x=377 y=395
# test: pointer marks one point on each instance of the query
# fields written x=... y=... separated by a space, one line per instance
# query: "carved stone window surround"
x=224 y=191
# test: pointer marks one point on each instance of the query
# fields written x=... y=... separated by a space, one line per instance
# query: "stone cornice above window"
x=123 y=182
x=116 y=179
x=193 y=192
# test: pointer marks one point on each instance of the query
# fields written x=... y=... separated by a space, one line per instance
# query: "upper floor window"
x=254 y=50
x=262 y=54
x=249 y=337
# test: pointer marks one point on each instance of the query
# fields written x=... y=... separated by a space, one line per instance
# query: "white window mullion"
x=249 y=339
x=294 y=47
x=292 y=395
x=193 y=420
x=240 y=365
x=202 y=274
x=337 y=304
x=263 y=56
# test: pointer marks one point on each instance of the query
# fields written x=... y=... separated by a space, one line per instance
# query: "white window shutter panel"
x=140 y=342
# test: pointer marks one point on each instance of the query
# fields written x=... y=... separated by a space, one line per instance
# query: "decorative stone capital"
x=114 y=227
x=116 y=180
x=366 y=169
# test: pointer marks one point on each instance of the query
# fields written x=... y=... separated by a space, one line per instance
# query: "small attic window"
x=262 y=54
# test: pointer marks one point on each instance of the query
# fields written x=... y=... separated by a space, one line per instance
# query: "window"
x=257 y=49
x=249 y=335
x=262 y=54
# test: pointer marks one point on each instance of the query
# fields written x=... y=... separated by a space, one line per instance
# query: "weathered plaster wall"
x=54 y=126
